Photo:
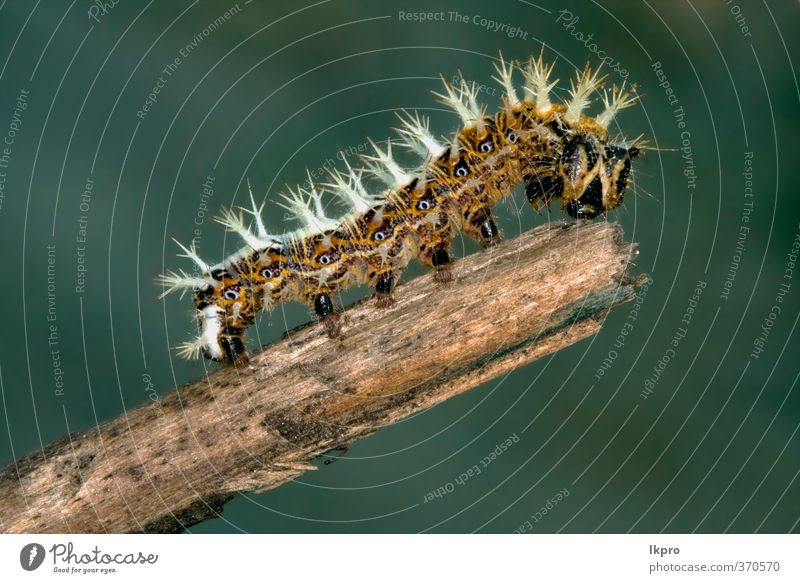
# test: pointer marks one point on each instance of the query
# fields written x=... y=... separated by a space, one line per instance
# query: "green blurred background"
x=279 y=87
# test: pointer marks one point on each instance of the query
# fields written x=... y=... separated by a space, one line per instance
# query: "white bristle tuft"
x=306 y=206
x=316 y=198
x=180 y=281
x=191 y=253
x=462 y=100
x=587 y=83
x=470 y=92
x=417 y=136
x=350 y=188
x=256 y=212
x=505 y=75
x=620 y=99
x=191 y=350
x=383 y=166
x=538 y=84
x=234 y=222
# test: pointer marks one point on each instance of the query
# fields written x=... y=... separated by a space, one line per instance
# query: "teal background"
x=281 y=87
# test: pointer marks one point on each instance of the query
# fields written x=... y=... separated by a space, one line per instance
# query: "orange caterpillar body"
x=552 y=148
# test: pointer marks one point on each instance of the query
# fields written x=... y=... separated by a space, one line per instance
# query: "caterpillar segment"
x=556 y=150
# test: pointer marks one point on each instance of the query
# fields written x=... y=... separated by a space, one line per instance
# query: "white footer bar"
x=376 y=558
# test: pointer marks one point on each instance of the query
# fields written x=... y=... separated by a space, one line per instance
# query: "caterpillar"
x=555 y=149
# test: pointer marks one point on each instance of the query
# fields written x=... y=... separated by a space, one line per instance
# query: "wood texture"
x=167 y=465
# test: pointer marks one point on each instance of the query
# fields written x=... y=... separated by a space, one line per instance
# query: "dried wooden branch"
x=167 y=465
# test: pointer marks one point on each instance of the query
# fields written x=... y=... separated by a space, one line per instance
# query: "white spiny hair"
x=350 y=188
x=620 y=99
x=538 y=84
x=191 y=253
x=234 y=222
x=256 y=212
x=306 y=206
x=462 y=100
x=586 y=83
x=505 y=76
x=417 y=136
x=180 y=281
x=384 y=167
x=191 y=349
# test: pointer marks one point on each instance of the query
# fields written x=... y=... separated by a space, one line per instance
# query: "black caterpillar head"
x=593 y=175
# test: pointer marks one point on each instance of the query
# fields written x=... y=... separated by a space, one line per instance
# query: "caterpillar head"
x=586 y=171
x=593 y=174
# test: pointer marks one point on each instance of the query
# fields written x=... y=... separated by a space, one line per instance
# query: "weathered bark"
x=167 y=465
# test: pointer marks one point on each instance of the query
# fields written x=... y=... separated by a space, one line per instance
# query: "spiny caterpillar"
x=552 y=148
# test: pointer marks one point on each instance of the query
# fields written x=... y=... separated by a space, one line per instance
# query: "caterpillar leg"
x=438 y=257
x=480 y=227
x=331 y=320
x=442 y=263
x=541 y=190
x=384 y=288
